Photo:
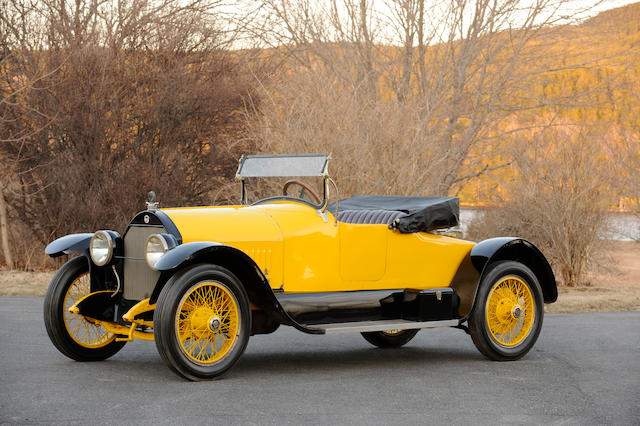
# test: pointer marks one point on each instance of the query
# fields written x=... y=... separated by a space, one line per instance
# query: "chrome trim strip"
x=368 y=326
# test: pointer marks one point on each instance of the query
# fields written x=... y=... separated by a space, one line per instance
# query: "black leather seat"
x=379 y=217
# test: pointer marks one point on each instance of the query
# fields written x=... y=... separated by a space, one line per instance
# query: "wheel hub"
x=214 y=324
x=516 y=311
x=504 y=310
x=200 y=323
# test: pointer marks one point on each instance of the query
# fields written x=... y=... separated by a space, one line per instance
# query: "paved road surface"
x=585 y=369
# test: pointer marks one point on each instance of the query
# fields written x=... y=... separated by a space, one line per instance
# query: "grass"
x=19 y=283
x=615 y=286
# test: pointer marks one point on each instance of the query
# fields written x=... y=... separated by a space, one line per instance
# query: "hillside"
x=596 y=66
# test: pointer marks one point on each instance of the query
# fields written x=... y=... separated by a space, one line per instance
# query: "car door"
x=363 y=251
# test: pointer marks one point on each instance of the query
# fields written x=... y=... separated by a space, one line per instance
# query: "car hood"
x=232 y=225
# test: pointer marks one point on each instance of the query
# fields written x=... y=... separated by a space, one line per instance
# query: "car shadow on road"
x=149 y=367
x=305 y=361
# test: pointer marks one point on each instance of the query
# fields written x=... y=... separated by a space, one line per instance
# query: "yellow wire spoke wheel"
x=83 y=332
x=202 y=321
x=72 y=334
x=207 y=322
x=510 y=311
x=392 y=338
x=507 y=316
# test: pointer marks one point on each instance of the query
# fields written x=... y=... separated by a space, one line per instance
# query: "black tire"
x=390 y=339
x=58 y=322
x=528 y=317
x=176 y=306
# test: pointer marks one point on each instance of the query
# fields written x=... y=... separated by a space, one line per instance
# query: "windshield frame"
x=248 y=170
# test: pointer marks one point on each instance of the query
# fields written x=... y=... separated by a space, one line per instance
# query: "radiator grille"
x=139 y=279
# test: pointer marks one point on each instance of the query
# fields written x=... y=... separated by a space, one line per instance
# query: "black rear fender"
x=485 y=254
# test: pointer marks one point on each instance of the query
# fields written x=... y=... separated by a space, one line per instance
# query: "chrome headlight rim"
x=161 y=243
x=96 y=257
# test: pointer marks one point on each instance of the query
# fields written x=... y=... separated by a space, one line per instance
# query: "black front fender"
x=186 y=252
x=239 y=263
x=72 y=243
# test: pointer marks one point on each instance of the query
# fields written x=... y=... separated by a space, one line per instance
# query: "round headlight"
x=156 y=247
x=101 y=248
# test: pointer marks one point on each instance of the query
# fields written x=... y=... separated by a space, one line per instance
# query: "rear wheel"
x=72 y=334
x=202 y=322
x=508 y=313
x=390 y=338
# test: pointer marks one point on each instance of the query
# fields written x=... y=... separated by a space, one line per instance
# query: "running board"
x=368 y=326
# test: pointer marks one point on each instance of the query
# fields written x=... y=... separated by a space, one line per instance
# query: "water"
x=623 y=227
x=619 y=226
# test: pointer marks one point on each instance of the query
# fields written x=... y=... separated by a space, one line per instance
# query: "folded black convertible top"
x=422 y=213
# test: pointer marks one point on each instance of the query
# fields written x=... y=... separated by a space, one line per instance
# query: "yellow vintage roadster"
x=200 y=281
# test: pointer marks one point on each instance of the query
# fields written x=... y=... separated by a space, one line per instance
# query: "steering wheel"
x=304 y=186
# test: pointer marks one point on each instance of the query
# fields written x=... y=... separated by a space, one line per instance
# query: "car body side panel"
x=322 y=257
x=423 y=260
x=301 y=251
x=363 y=252
x=311 y=247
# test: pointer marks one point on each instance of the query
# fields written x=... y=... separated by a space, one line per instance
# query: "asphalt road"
x=584 y=369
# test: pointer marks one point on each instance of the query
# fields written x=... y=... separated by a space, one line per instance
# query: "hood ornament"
x=151 y=203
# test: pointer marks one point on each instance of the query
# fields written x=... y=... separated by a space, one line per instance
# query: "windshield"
x=312 y=167
x=284 y=165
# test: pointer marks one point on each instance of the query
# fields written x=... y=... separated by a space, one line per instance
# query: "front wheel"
x=72 y=334
x=508 y=312
x=390 y=338
x=202 y=322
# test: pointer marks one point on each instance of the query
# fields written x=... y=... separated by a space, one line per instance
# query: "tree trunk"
x=4 y=230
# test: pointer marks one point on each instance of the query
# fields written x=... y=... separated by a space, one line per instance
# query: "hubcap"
x=516 y=312
x=214 y=324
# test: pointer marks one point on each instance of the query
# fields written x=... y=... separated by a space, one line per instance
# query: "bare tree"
x=4 y=231
x=558 y=198
x=462 y=74
x=104 y=100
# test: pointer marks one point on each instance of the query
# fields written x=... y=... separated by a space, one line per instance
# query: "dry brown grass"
x=615 y=286
x=19 y=283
